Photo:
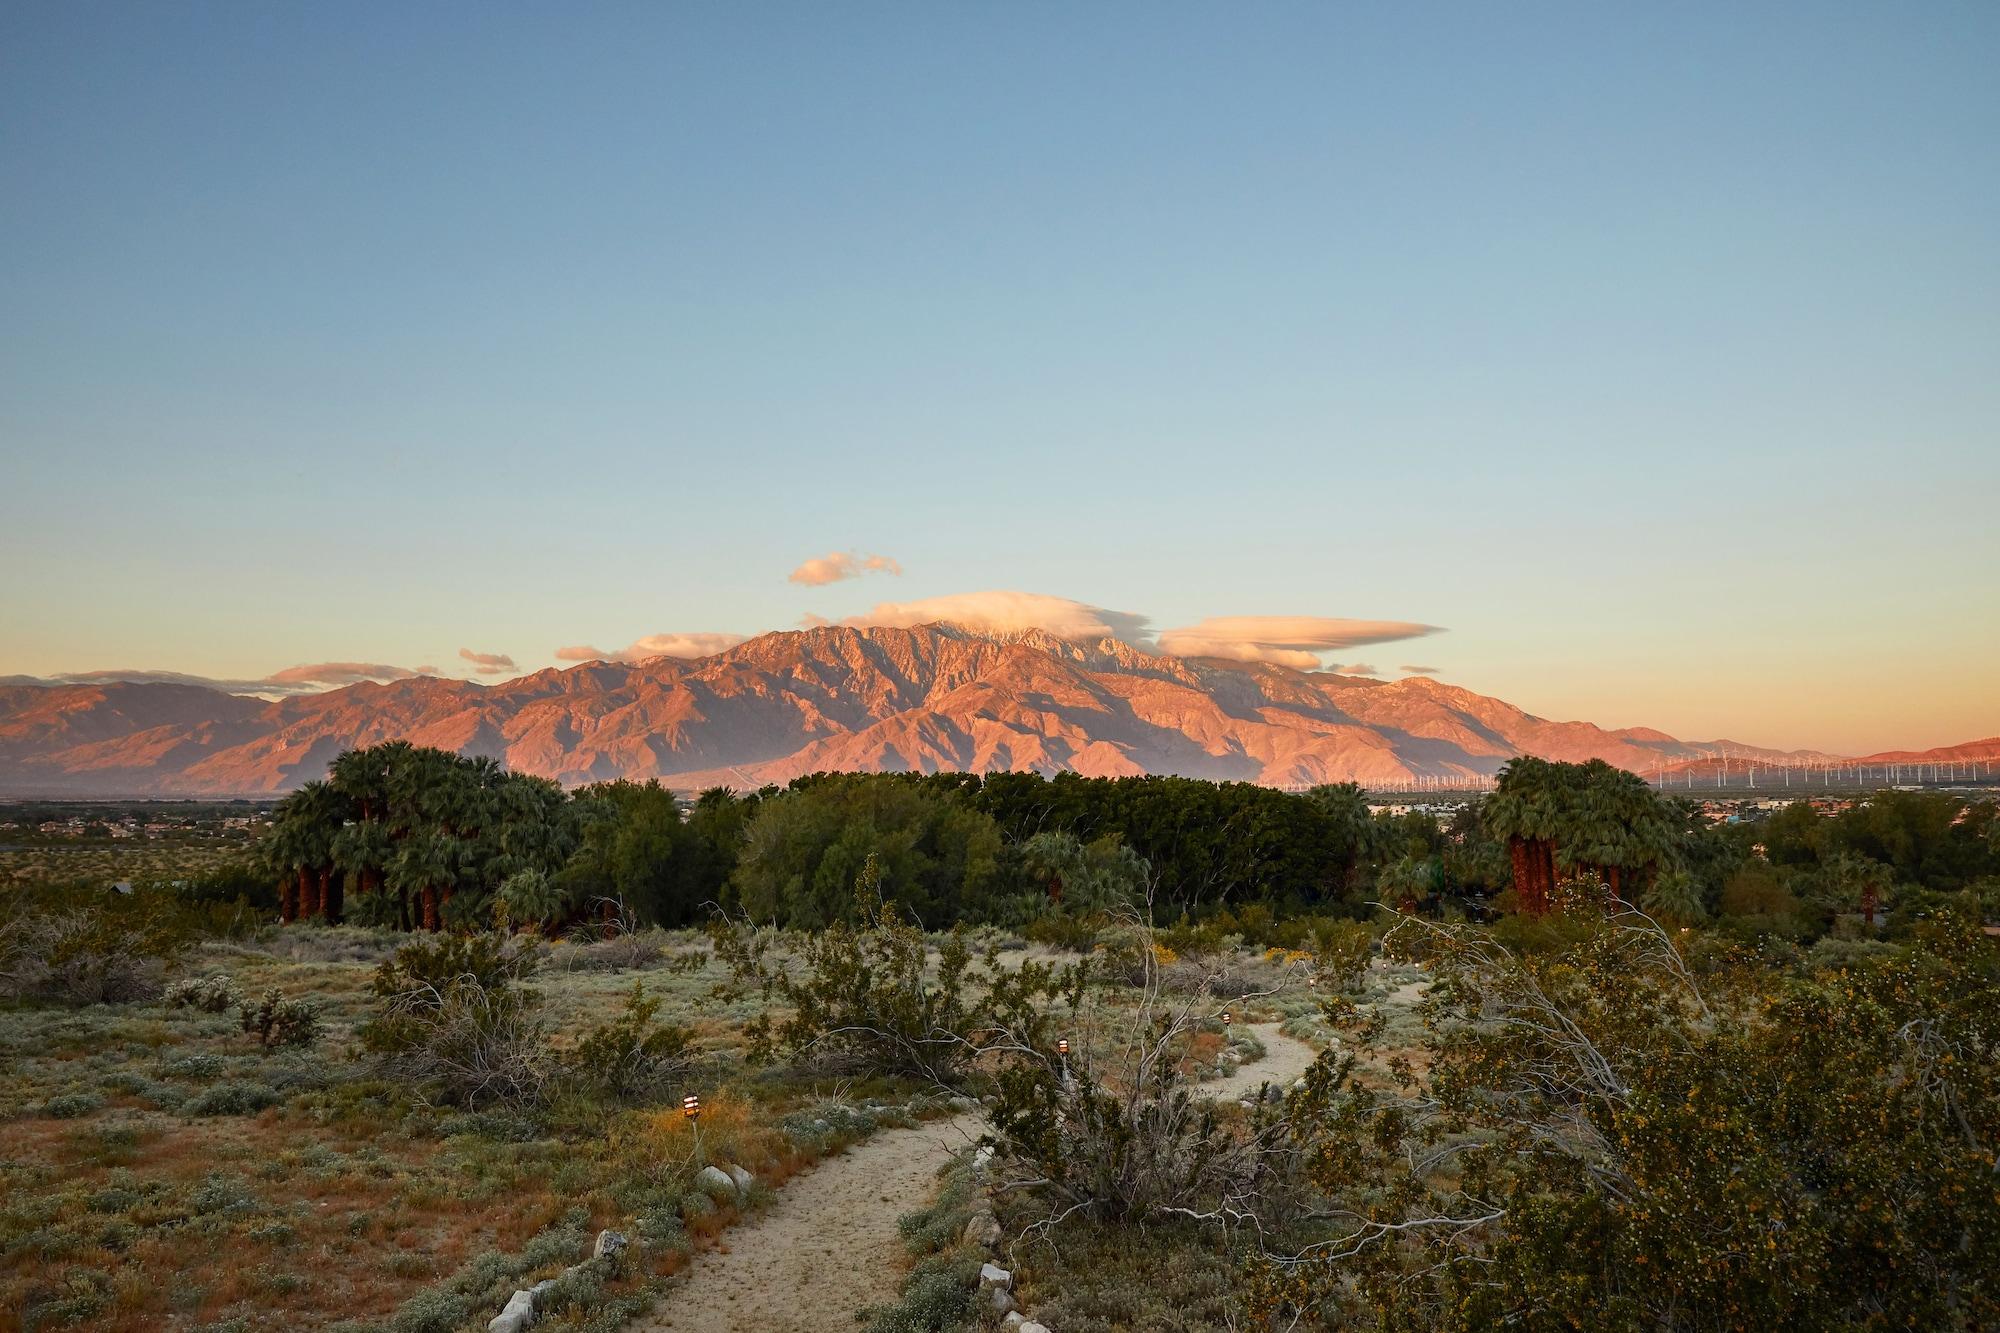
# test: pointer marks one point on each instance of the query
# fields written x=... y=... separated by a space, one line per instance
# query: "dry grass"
x=124 y=1206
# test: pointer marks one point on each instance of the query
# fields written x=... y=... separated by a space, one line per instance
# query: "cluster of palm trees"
x=409 y=830
x=1580 y=818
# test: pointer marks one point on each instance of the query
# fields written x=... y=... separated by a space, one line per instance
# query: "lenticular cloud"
x=1294 y=641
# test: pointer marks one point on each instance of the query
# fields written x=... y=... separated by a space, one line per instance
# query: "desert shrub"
x=237 y=1098
x=1117 y=1279
x=938 y=1297
x=277 y=1021
x=617 y=953
x=453 y=1018
x=199 y=1067
x=863 y=999
x=1767 y=1149
x=430 y=1312
x=79 y=1296
x=215 y=994
x=1078 y=934
x=221 y=1193
x=1341 y=950
x=631 y=1054
x=1116 y=1134
x=235 y=882
x=72 y=1105
x=86 y=947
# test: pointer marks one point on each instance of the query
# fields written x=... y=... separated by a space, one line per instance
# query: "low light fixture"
x=691 y=1107
x=1226 y=1020
x=1062 y=1047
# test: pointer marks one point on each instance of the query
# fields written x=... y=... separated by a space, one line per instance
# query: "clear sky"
x=1653 y=352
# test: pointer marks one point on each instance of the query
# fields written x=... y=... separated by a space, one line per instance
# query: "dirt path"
x=826 y=1248
x=1285 y=1059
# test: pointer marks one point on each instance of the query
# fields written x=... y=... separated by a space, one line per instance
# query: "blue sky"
x=1653 y=354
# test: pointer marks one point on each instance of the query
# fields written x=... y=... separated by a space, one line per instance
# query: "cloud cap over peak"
x=697 y=644
x=1294 y=641
x=1000 y=611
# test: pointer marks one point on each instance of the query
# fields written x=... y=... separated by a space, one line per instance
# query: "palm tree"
x=1525 y=809
x=1587 y=817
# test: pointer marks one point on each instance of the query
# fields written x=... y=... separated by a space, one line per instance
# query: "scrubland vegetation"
x=1582 y=1060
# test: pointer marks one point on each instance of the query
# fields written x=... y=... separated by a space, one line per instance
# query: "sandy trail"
x=1285 y=1059
x=826 y=1248
x=829 y=1245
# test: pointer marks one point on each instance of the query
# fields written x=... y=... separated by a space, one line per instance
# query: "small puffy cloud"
x=1418 y=670
x=654 y=645
x=837 y=565
x=488 y=664
x=1293 y=641
x=1000 y=612
x=1352 y=669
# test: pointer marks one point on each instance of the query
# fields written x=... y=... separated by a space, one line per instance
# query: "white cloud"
x=1002 y=612
x=1293 y=641
x=654 y=645
x=837 y=565
x=1418 y=670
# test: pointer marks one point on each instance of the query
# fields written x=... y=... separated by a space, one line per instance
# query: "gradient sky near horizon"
x=1653 y=352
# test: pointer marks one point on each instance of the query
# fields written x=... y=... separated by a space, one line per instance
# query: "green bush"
x=630 y=1055
x=430 y=1312
x=71 y=1106
x=453 y=1018
x=231 y=1099
x=86 y=946
x=867 y=999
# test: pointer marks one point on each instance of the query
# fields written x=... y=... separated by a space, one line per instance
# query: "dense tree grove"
x=420 y=838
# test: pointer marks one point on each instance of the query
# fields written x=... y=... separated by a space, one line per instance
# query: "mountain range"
x=937 y=696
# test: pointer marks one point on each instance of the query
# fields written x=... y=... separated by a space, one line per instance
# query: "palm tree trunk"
x=430 y=901
x=1530 y=885
x=330 y=892
x=287 y=898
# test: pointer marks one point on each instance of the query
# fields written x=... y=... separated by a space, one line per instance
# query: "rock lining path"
x=1285 y=1060
x=827 y=1247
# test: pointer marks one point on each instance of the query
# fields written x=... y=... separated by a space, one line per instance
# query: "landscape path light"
x=691 y=1108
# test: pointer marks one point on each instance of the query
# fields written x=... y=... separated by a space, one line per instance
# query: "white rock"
x=992 y=1275
x=1031 y=1327
x=518 y=1314
x=1014 y=1319
x=744 y=1180
x=714 y=1180
x=540 y=1292
x=609 y=1243
x=1002 y=1302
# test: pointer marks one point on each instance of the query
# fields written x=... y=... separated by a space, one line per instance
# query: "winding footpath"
x=828 y=1247
x=1285 y=1060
